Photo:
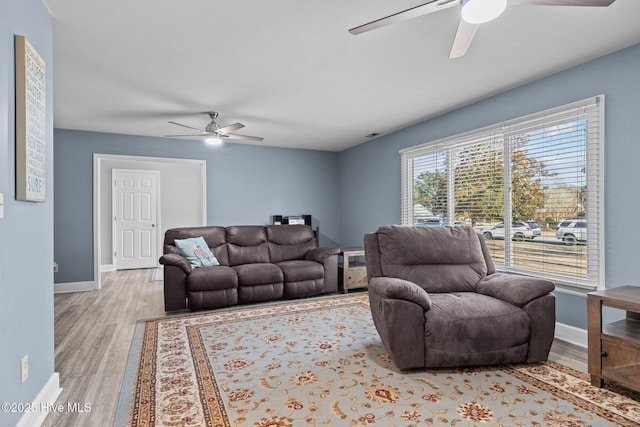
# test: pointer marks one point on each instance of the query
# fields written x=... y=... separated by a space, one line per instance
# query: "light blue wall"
x=246 y=184
x=374 y=168
x=356 y=191
x=26 y=252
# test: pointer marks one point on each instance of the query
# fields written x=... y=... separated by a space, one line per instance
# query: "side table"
x=614 y=348
x=352 y=274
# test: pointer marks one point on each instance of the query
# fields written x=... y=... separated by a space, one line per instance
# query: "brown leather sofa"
x=437 y=301
x=257 y=263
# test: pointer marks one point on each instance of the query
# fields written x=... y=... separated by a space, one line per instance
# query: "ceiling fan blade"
x=464 y=36
x=185 y=126
x=230 y=128
x=423 y=9
x=597 y=3
x=245 y=137
x=178 y=136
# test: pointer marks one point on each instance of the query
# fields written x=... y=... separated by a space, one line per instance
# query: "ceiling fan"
x=214 y=133
x=473 y=13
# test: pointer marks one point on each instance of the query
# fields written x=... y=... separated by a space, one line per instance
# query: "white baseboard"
x=63 y=288
x=571 y=334
x=105 y=268
x=44 y=400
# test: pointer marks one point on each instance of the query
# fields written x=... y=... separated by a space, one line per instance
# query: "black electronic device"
x=291 y=219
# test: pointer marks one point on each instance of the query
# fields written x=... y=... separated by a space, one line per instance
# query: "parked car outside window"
x=438 y=222
x=520 y=230
x=432 y=222
x=533 y=224
x=572 y=231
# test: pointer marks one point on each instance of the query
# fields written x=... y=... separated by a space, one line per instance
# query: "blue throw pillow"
x=197 y=252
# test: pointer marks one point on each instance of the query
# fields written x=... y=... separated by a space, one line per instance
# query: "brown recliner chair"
x=437 y=301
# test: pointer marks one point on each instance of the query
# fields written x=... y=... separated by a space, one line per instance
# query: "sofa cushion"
x=212 y=278
x=199 y=300
x=196 y=251
x=258 y=274
x=247 y=245
x=259 y=293
x=214 y=236
x=287 y=242
x=476 y=321
x=303 y=288
x=437 y=259
x=299 y=270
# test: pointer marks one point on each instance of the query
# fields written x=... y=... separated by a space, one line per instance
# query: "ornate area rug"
x=320 y=362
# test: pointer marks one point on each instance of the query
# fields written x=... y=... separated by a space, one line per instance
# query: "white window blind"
x=517 y=182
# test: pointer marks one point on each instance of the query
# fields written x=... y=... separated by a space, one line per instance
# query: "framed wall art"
x=31 y=129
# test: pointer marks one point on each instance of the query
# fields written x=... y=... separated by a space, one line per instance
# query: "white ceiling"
x=290 y=71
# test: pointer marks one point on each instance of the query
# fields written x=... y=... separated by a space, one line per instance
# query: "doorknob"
x=153 y=225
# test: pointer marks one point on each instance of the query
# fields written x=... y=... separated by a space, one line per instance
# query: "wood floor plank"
x=93 y=334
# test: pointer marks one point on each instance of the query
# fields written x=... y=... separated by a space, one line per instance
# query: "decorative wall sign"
x=30 y=122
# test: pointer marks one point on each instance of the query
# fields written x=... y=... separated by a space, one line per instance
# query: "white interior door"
x=135 y=218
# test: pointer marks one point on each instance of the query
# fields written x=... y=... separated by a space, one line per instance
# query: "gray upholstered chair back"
x=438 y=259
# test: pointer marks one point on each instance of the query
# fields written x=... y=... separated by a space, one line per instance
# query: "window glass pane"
x=531 y=186
x=430 y=189
x=479 y=183
x=548 y=182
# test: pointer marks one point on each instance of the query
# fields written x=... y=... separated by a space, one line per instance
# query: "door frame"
x=158 y=208
x=99 y=163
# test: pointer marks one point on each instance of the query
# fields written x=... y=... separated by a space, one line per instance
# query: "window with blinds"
x=532 y=186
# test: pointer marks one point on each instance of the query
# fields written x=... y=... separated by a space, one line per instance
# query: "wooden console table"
x=351 y=273
x=614 y=348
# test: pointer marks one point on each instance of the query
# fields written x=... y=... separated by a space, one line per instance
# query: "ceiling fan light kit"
x=213 y=133
x=481 y=11
x=213 y=140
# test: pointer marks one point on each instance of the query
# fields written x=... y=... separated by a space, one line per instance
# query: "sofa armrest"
x=176 y=260
x=393 y=288
x=175 y=288
x=514 y=289
x=320 y=254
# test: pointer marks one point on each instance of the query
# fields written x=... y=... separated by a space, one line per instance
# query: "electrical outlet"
x=24 y=368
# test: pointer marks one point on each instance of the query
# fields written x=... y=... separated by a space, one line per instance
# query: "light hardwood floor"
x=93 y=333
